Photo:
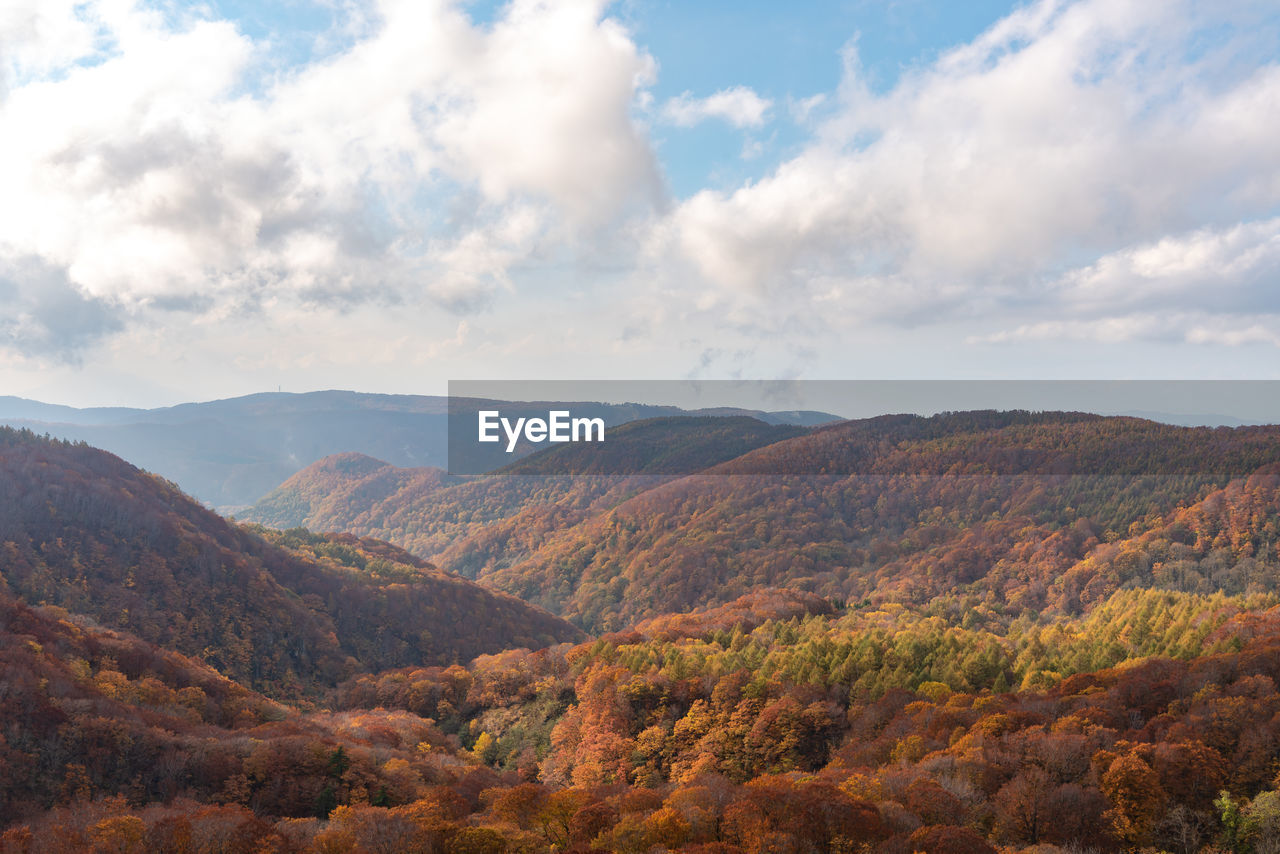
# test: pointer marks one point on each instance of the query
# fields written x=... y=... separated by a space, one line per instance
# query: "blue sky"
x=203 y=200
x=783 y=51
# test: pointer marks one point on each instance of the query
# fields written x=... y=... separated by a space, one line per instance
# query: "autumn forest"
x=972 y=633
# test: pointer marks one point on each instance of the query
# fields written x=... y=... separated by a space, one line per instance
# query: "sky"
x=202 y=200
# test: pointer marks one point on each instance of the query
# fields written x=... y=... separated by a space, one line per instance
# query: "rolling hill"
x=98 y=720
x=992 y=505
x=87 y=532
x=426 y=509
x=658 y=446
x=1030 y=631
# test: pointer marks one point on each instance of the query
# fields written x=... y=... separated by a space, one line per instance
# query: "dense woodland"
x=87 y=532
x=958 y=647
x=1000 y=505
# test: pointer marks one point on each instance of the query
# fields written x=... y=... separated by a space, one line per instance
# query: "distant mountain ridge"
x=229 y=453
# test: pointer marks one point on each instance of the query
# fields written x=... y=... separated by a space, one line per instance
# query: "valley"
x=973 y=632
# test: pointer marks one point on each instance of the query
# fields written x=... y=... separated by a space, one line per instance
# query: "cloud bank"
x=1099 y=159
x=154 y=162
x=1082 y=170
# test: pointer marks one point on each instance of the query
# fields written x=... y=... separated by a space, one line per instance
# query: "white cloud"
x=157 y=167
x=1093 y=170
x=45 y=317
x=37 y=36
x=802 y=109
x=740 y=106
x=1229 y=269
x=1066 y=133
x=1174 y=327
x=1254 y=330
x=1208 y=286
x=1111 y=329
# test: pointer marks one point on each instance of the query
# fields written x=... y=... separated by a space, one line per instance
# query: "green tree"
x=1239 y=825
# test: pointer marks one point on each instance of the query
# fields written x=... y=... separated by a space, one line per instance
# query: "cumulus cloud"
x=162 y=161
x=740 y=106
x=1231 y=269
x=1208 y=286
x=37 y=36
x=1066 y=133
x=44 y=316
x=1090 y=170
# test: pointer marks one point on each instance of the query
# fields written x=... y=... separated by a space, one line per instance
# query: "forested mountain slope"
x=970 y=511
x=1014 y=659
x=96 y=720
x=427 y=510
x=995 y=505
x=343 y=492
x=670 y=446
x=901 y=729
x=85 y=531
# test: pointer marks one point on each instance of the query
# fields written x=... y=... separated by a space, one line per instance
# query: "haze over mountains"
x=229 y=453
